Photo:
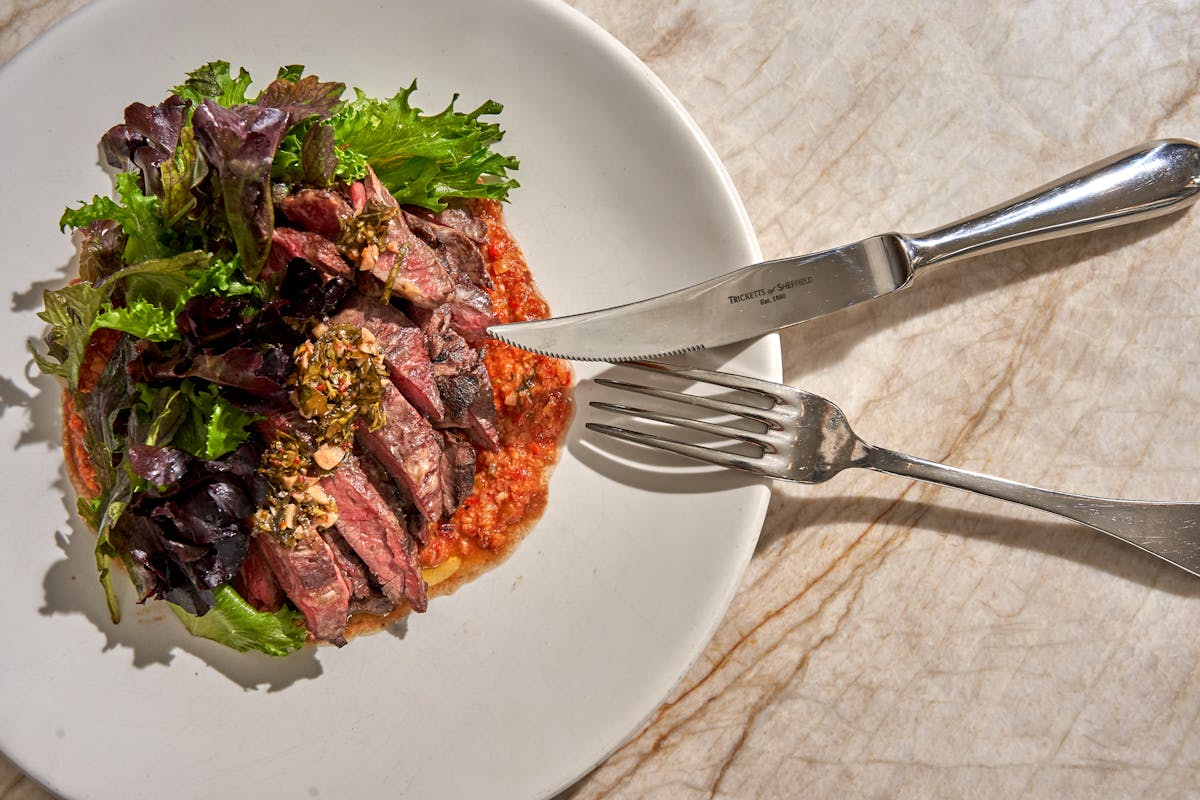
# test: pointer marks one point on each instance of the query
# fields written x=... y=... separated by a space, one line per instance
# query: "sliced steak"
x=350 y=564
x=410 y=450
x=404 y=351
x=395 y=497
x=375 y=533
x=463 y=381
x=256 y=583
x=403 y=260
x=364 y=596
x=458 y=217
x=358 y=196
x=471 y=312
x=317 y=210
x=460 y=254
x=458 y=470
x=289 y=243
x=311 y=580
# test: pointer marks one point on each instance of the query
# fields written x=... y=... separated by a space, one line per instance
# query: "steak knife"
x=1147 y=181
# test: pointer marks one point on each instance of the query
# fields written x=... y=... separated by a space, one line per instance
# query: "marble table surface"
x=891 y=639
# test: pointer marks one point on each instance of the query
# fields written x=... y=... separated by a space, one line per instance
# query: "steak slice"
x=471 y=310
x=289 y=243
x=458 y=252
x=396 y=498
x=463 y=381
x=458 y=217
x=404 y=351
x=375 y=533
x=410 y=450
x=256 y=583
x=458 y=470
x=317 y=210
x=403 y=261
x=364 y=596
x=311 y=580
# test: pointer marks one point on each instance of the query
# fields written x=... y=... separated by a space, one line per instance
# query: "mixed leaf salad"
x=174 y=334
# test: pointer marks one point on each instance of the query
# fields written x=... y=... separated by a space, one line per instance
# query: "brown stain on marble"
x=666 y=43
x=1176 y=105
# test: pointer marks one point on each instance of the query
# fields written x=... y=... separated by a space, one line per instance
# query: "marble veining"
x=892 y=639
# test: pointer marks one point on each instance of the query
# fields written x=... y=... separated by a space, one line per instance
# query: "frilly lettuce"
x=235 y=623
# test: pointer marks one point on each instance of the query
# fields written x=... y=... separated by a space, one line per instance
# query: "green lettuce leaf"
x=102 y=514
x=162 y=281
x=140 y=318
x=212 y=426
x=235 y=623
x=138 y=215
x=215 y=80
x=422 y=159
x=224 y=278
x=71 y=312
x=143 y=300
x=192 y=417
x=156 y=291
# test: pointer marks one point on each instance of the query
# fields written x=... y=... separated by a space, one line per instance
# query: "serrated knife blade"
x=1146 y=181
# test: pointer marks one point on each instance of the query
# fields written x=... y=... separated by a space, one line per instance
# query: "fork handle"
x=1170 y=531
x=1146 y=181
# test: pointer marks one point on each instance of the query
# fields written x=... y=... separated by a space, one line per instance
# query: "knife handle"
x=1146 y=181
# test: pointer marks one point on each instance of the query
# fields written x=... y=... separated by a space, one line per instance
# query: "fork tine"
x=726 y=379
x=705 y=454
x=725 y=431
x=765 y=416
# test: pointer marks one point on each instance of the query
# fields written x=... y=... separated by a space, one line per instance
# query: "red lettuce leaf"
x=101 y=246
x=190 y=535
x=260 y=372
x=318 y=156
x=147 y=138
x=239 y=144
x=301 y=99
x=162 y=466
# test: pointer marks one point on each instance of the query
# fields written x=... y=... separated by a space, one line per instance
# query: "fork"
x=806 y=438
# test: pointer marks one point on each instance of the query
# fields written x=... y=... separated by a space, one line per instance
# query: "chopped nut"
x=318 y=331
x=317 y=494
x=328 y=456
x=370 y=254
x=289 y=516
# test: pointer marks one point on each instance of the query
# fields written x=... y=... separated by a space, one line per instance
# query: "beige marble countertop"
x=892 y=639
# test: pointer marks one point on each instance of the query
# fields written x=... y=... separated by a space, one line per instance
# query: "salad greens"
x=235 y=623
x=172 y=341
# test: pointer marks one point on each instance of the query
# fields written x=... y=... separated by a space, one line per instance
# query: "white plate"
x=524 y=679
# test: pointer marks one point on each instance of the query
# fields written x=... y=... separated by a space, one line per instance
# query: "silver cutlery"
x=801 y=437
x=1146 y=181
